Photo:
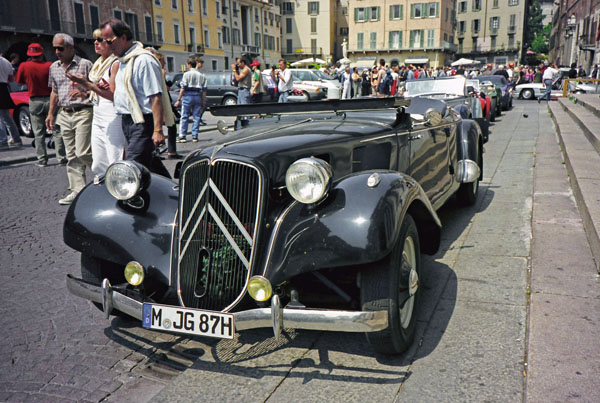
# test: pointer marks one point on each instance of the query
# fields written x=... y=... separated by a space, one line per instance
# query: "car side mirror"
x=432 y=117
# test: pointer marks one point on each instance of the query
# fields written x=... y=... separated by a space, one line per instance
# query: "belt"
x=192 y=90
x=75 y=109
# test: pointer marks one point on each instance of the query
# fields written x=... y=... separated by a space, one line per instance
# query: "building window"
x=373 y=40
x=395 y=40
x=159 y=31
x=476 y=5
x=313 y=46
x=344 y=31
x=204 y=8
x=495 y=22
x=475 y=26
x=256 y=15
x=374 y=13
x=174 y=4
x=360 y=14
x=206 y=38
x=214 y=65
x=460 y=45
x=513 y=2
x=416 y=11
x=192 y=31
x=148 y=27
x=475 y=49
x=236 y=36
x=94 y=16
x=416 y=39
x=226 y=37
x=288 y=25
x=289 y=46
x=445 y=37
x=170 y=64
x=54 y=14
x=257 y=40
x=79 y=22
x=396 y=12
x=344 y=10
x=495 y=4
x=218 y=9
x=430 y=38
x=313 y=25
x=236 y=10
x=287 y=8
x=462 y=6
x=190 y=4
x=132 y=20
x=176 y=33
x=158 y=3
x=118 y=14
x=433 y=10
x=360 y=37
x=313 y=8
x=271 y=19
x=511 y=41
x=493 y=43
x=461 y=27
x=220 y=39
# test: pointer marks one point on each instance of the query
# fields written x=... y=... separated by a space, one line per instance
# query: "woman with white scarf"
x=108 y=142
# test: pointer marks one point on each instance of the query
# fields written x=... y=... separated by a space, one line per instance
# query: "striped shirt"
x=60 y=84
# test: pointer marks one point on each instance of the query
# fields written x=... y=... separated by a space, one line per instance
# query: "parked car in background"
x=315 y=78
x=506 y=89
x=487 y=105
x=20 y=97
x=495 y=94
x=532 y=91
x=314 y=216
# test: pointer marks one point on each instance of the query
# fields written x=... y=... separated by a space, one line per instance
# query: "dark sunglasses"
x=110 y=41
x=99 y=40
x=59 y=48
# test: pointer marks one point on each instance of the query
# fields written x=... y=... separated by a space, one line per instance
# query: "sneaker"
x=13 y=143
x=181 y=140
x=539 y=100
x=194 y=140
x=202 y=123
x=63 y=161
x=42 y=163
x=68 y=199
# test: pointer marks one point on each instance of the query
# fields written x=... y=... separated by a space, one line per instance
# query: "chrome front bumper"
x=276 y=316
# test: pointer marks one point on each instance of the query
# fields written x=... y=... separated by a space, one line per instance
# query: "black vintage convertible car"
x=313 y=216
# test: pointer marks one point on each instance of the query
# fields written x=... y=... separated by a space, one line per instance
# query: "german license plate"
x=186 y=320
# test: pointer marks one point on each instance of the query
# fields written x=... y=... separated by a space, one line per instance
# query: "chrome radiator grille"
x=218 y=227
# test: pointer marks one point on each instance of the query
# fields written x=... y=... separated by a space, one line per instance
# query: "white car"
x=537 y=90
x=316 y=78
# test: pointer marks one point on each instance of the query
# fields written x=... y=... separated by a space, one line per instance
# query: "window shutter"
x=355 y=14
x=400 y=40
x=401 y=11
x=391 y=11
x=437 y=9
x=422 y=37
x=412 y=11
x=378 y=13
x=391 y=40
x=367 y=13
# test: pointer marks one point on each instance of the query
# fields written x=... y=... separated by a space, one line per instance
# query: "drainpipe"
x=231 y=30
x=202 y=42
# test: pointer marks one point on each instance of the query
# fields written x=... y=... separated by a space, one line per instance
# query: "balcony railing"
x=493 y=31
x=76 y=30
x=250 y=49
x=192 y=47
x=512 y=29
x=449 y=46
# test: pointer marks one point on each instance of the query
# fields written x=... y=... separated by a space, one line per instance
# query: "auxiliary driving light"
x=259 y=288
x=134 y=273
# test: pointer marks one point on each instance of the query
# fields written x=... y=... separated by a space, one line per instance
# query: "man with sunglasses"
x=74 y=112
x=141 y=96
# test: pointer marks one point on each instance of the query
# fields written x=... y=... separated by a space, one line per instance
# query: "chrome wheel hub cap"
x=409 y=264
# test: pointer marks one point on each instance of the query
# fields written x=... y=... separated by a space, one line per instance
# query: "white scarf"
x=98 y=69
x=134 y=106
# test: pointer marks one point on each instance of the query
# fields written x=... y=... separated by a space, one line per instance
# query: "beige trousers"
x=76 y=131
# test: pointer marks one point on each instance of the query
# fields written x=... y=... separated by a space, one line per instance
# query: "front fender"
x=468 y=142
x=356 y=224
x=100 y=225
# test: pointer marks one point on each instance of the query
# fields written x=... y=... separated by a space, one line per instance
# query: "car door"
x=429 y=159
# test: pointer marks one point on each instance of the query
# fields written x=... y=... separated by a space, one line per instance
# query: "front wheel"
x=467 y=192
x=527 y=94
x=229 y=100
x=23 y=120
x=493 y=110
x=393 y=285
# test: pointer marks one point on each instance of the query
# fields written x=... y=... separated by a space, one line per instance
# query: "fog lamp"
x=259 y=288
x=134 y=273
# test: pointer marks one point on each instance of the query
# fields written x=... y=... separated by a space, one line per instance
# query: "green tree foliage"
x=534 y=24
x=541 y=40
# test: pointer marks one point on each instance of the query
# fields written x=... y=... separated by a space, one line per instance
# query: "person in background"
x=141 y=96
x=374 y=75
x=193 y=95
x=15 y=61
x=356 y=87
x=547 y=79
x=366 y=82
x=283 y=77
x=573 y=71
x=108 y=141
x=74 y=112
x=199 y=65
x=34 y=73
x=172 y=129
x=594 y=73
x=381 y=73
x=243 y=75
x=7 y=124
x=347 y=84
x=257 y=89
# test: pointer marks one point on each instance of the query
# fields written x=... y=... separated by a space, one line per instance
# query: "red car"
x=20 y=96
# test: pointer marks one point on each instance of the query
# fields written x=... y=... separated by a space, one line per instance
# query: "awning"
x=422 y=60
x=363 y=63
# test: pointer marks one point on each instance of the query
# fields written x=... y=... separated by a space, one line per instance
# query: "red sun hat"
x=35 y=49
x=255 y=63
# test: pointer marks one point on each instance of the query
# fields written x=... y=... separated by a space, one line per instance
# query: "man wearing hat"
x=193 y=94
x=257 y=88
x=35 y=73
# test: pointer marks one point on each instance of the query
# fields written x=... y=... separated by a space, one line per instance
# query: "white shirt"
x=288 y=85
x=6 y=70
x=549 y=74
x=145 y=79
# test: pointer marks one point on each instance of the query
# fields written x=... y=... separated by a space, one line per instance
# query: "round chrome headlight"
x=124 y=179
x=307 y=179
